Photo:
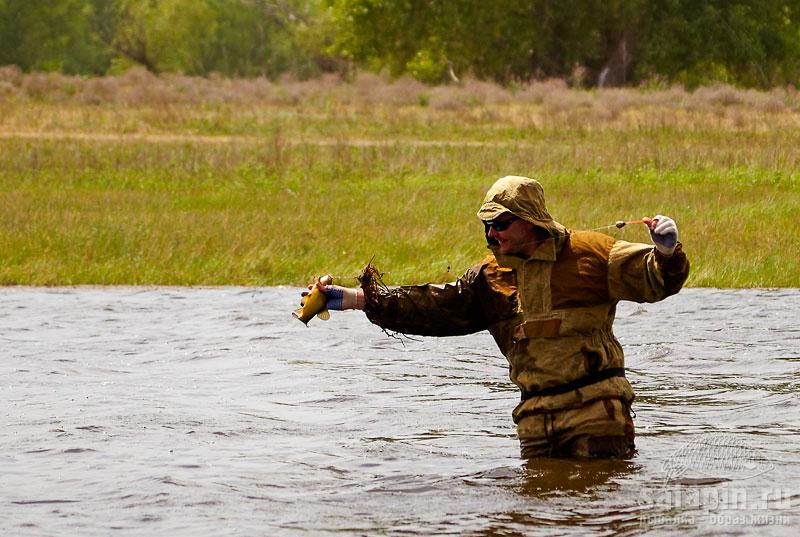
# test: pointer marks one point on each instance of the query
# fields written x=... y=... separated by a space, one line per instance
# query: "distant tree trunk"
x=138 y=54
x=536 y=71
x=452 y=73
x=619 y=66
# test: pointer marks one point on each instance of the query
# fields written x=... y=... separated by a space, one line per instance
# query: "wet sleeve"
x=450 y=309
x=639 y=273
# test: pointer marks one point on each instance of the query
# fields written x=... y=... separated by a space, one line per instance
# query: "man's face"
x=513 y=235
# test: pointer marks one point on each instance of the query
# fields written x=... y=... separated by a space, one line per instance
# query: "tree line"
x=752 y=43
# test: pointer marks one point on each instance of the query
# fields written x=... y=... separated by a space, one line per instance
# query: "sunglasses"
x=498 y=225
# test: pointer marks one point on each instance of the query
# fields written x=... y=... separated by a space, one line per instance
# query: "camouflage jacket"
x=551 y=315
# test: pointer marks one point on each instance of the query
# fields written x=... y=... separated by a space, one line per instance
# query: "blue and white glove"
x=335 y=296
x=340 y=298
x=664 y=234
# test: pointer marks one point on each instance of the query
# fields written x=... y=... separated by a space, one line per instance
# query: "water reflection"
x=551 y=476
x=567 y=497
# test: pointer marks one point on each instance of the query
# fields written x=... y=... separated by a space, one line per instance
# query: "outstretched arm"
x=643 y=273
x=450 y=309
x=427 y=310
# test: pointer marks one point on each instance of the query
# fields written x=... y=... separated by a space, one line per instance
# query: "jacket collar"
x=545 y=252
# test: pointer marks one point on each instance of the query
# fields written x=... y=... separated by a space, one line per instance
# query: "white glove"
x=664 y=234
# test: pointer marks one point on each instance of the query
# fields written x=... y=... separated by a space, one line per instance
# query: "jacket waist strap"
x=575 y=384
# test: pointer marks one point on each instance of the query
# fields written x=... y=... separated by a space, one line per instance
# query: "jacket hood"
x=524 y=198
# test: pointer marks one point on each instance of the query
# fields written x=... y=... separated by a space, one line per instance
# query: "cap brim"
x=491 y=210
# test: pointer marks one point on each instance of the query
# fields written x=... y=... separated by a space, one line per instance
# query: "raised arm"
x=643 y=273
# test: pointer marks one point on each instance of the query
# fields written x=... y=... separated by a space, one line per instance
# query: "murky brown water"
x=212 y=412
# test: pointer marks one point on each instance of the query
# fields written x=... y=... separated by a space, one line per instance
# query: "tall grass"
x=148 y=180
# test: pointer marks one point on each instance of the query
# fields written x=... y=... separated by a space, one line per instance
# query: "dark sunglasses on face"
x=498 y=225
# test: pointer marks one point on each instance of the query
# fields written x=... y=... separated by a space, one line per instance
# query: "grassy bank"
x=262 y=184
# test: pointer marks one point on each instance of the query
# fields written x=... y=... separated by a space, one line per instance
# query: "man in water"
x=548 y=297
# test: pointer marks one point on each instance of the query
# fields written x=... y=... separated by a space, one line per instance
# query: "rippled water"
x=179 y=411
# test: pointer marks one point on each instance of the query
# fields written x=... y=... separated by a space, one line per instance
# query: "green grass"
x=271 y=204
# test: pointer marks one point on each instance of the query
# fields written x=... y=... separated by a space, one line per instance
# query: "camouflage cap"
x=520 y=196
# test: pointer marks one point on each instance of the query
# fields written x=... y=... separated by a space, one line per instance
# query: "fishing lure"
x=622 y=223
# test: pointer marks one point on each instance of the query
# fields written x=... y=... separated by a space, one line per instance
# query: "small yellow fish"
x=314 y=303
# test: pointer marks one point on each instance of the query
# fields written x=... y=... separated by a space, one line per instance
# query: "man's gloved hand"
x=664 y=234
x=343 y=298
x=340 y=298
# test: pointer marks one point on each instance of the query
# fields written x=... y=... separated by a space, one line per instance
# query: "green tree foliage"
x=50 y=35
x=603 y=42
x=265 y=37
x=502 y=40
x=232 y=37
x=163 y=35
x=749 y=42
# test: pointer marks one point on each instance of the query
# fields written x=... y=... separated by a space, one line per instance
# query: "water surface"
x=190 y=411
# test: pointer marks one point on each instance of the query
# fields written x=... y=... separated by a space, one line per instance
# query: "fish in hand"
x=315 y=302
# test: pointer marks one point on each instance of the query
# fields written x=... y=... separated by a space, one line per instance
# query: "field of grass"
x=181 y=181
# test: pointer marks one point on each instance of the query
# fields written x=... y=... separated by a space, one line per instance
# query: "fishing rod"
x=619 y=224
